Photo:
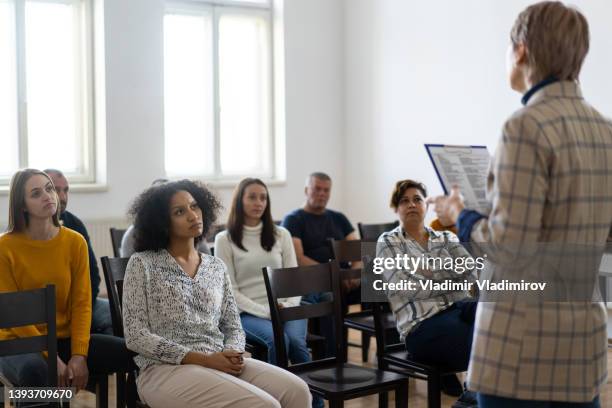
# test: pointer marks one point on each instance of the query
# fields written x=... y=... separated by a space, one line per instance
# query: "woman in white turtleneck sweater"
x=251 y=242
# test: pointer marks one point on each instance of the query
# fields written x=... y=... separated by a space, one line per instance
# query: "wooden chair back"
x=371 y=232
x=116 y=237
x=26 y=308
x=114 y=273
x=300 y=281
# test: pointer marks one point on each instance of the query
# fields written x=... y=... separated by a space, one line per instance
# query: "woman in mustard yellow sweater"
x=35 y=251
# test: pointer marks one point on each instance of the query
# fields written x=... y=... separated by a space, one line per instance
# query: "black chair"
x=214 y=230
x=371 y=232
x=331 y=378
x=116 y=237
x=394 y=357
x=23 y=309
x=114 y=273
x=347 y=251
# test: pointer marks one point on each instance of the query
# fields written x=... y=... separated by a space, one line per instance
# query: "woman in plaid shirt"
x=437 y=325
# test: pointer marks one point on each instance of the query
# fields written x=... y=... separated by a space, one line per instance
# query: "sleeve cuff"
x=80 y=348
x=236 y=347
x=465 y=223
x=181 y=355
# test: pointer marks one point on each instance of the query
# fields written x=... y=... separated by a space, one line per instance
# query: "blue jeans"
x=490 y=401
x=260 y=331
x=326 y=324
x=101 y=322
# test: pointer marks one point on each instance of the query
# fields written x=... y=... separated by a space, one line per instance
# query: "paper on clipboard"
x=466 y=167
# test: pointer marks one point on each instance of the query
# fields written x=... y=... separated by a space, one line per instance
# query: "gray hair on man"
x=318 y=175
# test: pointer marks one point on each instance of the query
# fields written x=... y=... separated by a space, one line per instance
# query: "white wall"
x=367 y=83
x=434 y=71
x=134 y=104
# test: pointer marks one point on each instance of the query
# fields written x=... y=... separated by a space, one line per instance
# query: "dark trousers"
x=491 y=401
x=107 y=354
x=445 y=339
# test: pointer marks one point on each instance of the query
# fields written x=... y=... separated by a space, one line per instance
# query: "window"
x=218 y=89
x=46 y=117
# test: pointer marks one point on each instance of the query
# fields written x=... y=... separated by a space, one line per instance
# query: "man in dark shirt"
x=100 y=312
x=311 y=227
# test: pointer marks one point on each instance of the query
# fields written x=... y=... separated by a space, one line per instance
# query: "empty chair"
x=116 y=235
x=331 y=378
x=371 y=232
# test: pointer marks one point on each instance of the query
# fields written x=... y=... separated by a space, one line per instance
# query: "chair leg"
x=401 y=395
x=102 y=392
x=120 y=389
x=131 y=391
x=383 y=400
x=345 y=342
x=365 y=346
x=433 y=391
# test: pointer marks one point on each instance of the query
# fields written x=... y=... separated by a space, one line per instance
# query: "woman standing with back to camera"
x=550 y=184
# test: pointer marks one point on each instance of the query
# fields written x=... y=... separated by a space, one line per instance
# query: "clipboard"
x=464 y=165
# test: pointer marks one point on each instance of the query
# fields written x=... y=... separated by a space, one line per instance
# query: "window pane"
x=9 y=154
x=52 y=75
x=264 y=2
x=188 y=95
x=244 y=94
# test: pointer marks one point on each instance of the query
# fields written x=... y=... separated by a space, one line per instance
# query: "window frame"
x=83 y=29
x=216 y=9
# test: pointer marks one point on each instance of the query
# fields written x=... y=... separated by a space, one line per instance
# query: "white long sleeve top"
x=244 y=267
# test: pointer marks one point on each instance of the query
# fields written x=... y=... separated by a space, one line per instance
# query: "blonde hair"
x=18 y=219
x=556 y=37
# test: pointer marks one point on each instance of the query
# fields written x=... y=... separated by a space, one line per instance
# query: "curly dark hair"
x=151 y=213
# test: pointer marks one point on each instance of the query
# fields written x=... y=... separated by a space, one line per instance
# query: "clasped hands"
x=228 y=361
x=74 y=374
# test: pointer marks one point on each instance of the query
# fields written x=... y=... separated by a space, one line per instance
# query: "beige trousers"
x=260 y=385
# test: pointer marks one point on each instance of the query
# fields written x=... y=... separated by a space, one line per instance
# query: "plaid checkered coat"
x=550 y=181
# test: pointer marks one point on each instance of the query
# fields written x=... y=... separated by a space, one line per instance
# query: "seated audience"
x=180 y=315
x=437 y=326
x=101 y=318
x=127 y=242
x=35 y=251
x=251 y=242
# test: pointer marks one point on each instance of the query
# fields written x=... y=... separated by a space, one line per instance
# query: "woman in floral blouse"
x=180 y=315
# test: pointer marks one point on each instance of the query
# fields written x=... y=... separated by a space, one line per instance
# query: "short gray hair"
x=318 y=175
